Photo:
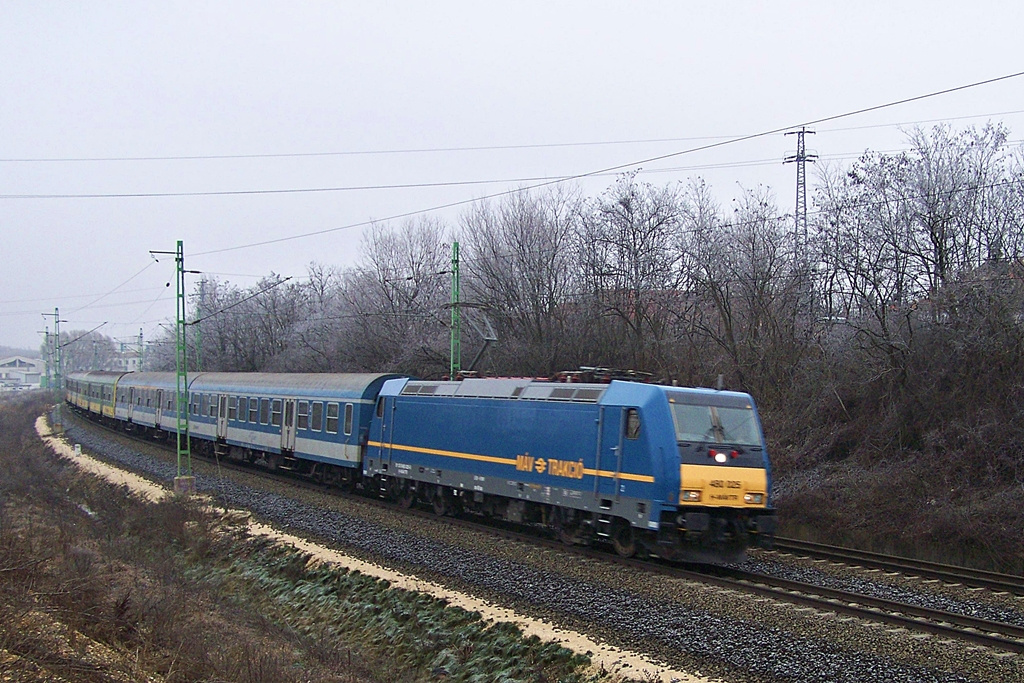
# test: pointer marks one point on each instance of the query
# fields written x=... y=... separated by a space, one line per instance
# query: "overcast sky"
x=104 y=98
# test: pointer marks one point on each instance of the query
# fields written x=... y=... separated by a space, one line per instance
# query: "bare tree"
x=520 y=267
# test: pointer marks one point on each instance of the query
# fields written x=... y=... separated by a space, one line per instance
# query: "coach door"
x=222 y=416
x=159 y=409
x=131 y=403
x=288 y=426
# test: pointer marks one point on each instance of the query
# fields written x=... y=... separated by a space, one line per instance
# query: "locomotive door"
x=222 y=416
x=386 y=419
x=609 y=452
x=288 y=426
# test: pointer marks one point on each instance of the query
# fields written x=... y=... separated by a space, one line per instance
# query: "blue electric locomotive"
x=680 y=473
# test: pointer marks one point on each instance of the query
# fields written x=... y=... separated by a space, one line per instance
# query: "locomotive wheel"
x=568 y=527
x=440 y=502
x=623 y=539
x=407 y=497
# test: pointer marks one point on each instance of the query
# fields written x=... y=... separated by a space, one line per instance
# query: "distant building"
x=19 y=372
x=127 y=360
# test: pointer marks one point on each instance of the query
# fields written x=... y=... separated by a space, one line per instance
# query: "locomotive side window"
x=303 y=422
x=317 y=419
x=348 y=418
x=264 y=411
x=632 y=423
x=380 y=407
x=332 y=418
x=275 y=413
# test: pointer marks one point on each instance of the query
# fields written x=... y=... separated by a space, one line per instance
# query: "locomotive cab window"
x=380 y=407
x=632 y=423
x=715 y=424
x=332 y=418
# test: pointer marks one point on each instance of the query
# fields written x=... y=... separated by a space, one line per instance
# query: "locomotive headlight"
x=720 y=456
x=753 y=498
x=690 y=497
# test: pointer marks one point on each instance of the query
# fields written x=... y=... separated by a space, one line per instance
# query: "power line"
x=478 y=148
x=619 y=167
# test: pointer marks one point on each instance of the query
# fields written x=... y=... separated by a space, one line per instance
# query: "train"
x=676 y=473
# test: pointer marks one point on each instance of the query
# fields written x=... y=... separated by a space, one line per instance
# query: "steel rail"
x=977 y=578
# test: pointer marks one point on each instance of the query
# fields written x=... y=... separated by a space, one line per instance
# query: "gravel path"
x=691 y=626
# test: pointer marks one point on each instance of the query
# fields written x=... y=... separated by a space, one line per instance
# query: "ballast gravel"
x=688 y=625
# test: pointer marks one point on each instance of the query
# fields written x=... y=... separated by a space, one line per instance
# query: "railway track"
x=950 y=574
x=1000 y=636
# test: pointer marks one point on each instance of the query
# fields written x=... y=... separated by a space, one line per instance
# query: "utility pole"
x=199 y=328
x=49 y=358
x=184 y=483
x=58 y=379
x=800 y=237
x=456 y=329
x=141 y=349
x=800 y=212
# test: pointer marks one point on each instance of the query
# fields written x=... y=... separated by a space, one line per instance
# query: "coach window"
x=348 y=418
x=253 y=409
x=233 y=408
x=332 y=418
x=213 y=405
x=632 y=423
x=303 y=421
x=275 y=414
x=264 y=411
x=170 y=404
x=317 y=418
x=243 y=404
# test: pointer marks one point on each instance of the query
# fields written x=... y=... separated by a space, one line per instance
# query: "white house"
x=19 y=372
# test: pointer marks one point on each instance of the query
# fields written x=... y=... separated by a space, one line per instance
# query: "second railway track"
x=951 y=574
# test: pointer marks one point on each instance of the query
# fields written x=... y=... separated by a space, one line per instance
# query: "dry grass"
x=96 y=585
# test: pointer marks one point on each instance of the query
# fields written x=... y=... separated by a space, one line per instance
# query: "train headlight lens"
x=690 y=497
x=720 y=456
x=753 y=498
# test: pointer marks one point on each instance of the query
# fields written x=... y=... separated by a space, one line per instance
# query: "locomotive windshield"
x=715 y=424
